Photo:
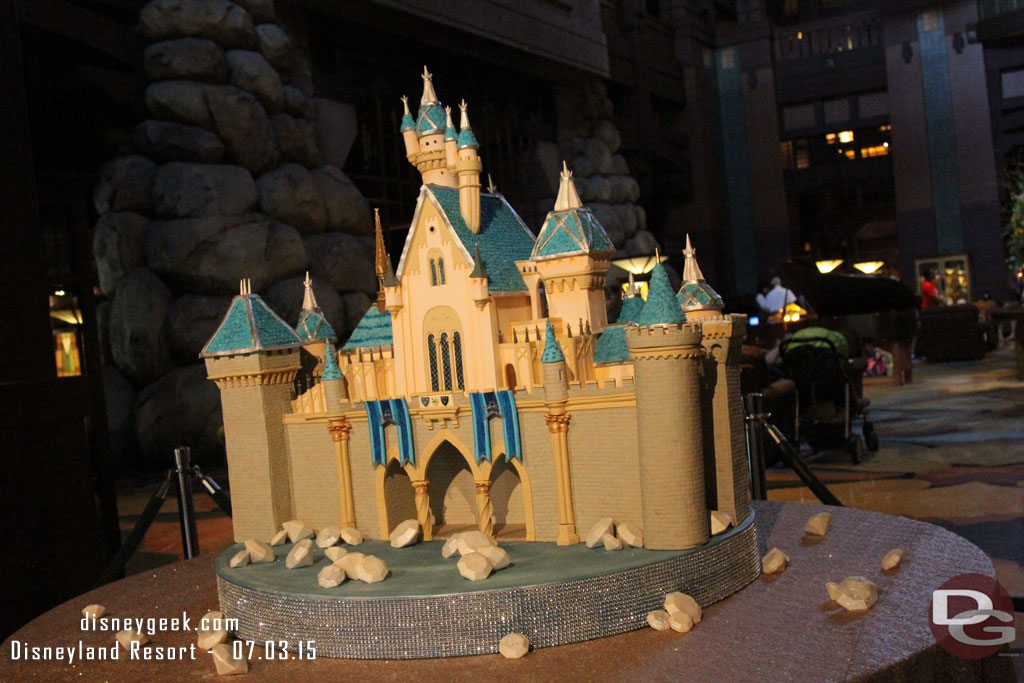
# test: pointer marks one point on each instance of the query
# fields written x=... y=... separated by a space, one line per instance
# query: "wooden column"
x=340 y=431
x=558 y=425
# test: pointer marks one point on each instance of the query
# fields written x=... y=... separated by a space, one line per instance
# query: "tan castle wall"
x=314 y=488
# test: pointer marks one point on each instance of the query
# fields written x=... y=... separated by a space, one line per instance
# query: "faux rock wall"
x=231 y=180
x=590 y=141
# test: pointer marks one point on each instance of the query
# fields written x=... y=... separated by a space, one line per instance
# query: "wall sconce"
x=827 y=266
x=869 y=267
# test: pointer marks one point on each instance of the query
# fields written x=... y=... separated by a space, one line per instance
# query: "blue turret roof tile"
x=250 y=326
x=552 y=351
x=372 y=331
x=661 y=307
x=331 y=370
x=313 y=326
x=431 y=118
x=467 y=139
x=407 y=123
x=572 y=231
x=611 y=345
x=630 y=310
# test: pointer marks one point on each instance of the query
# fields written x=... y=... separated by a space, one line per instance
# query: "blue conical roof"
x=248 y=327
x=572 y=231
x=661 y=307
x=331 y=369
x=313 y=326
x=552 y=351
x=630 y=310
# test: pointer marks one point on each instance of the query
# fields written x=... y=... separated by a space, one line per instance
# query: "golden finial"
x=491 y=187
x=405 y=105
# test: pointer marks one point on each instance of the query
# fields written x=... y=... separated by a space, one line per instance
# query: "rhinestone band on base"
x=473 y=623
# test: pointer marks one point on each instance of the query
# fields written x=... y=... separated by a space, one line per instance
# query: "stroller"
x=827 y=403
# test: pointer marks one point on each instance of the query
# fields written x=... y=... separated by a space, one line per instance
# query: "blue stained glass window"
x=457 y=343
x=446 y=362
x=432 y=353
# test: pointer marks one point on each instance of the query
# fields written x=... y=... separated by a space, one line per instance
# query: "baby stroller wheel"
x=855 y=447
x=870 y=437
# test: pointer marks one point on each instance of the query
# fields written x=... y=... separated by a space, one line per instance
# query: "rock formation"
x=235 y=176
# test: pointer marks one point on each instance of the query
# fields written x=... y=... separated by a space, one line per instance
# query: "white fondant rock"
x=405 y=534
x=335 y=553
x=209 y=638
x=451 y=546
x=681 y=602
x=475 y=567
x=498 y=558
x=371 y=569
x=297 y=530
x=349 y=562
x=818 y=524
x=892 y=559
x=630 y=535
x=603 y=526
x=279 y=538
x=128 y=636
x=331 y=576
x=224 y=660
x=301 y=554
x=774 y=561
x=351 y=536
x=854 y=593
x=327 y=537
x=514 y=646
x=239 y=559
x=259 y=551
x=469 y=541
x=94 y=611
x=611 y=543
x=720 y=521
x=680 y=622
x=659 y=620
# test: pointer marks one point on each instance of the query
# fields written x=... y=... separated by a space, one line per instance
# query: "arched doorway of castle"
x=399 y=499
x=452 y=491
x=511 y=501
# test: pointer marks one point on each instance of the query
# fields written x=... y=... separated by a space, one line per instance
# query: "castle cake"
x=486 y=389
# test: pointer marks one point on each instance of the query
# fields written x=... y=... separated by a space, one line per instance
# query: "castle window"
x=433 y=273
x=432 y=353
x=440 y=270
x=446 y=361
x=457 y=344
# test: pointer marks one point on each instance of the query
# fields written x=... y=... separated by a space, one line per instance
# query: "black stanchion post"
x=753 y=406
x=186 y=507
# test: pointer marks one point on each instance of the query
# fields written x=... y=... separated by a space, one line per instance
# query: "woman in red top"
x=929 y=295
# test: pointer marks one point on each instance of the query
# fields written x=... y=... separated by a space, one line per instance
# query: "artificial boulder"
x=347 y=209
x=212 y=254
x=218 y=20
x=125 y=184
x=117 y=247
x=296 y=138
x=182 y=408
x=249 y=71
x=275 y=46
x=166 y=141
x=342 y=261
x=288 y=193
x=183 y=189
x=285 y=299
x=244 y=126
x=138 y=342
x=194 y=59
x=181 y=101
x=191 y=322
x=260 y=10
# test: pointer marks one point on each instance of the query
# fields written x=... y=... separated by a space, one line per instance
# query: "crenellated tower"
x=667 y=356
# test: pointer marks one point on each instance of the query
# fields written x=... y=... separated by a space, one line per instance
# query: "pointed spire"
x=691 y=271
x=491 y=187
x=661 y=307
x=478 y=263
x=552 y=351
x=631 y=288
x=309 y=298
x=449 y=130
x=331 y=370
x=466 y=137
x=381 y=261
x=429 y=97
x=407 y=122
x=567 y=198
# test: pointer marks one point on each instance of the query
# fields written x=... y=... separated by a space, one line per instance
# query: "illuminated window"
x=874 y=151
x=850 y=154
x=886 y=127
x=845 y=136
x=831 y=138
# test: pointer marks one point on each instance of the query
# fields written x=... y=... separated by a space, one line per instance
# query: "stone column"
x=340 y=431
x=558 y=425
x=423 y=512
x=486 y=510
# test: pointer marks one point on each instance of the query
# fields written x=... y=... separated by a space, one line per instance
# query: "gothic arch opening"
x=508 y=500
x=452 y=491
x=399 y=499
